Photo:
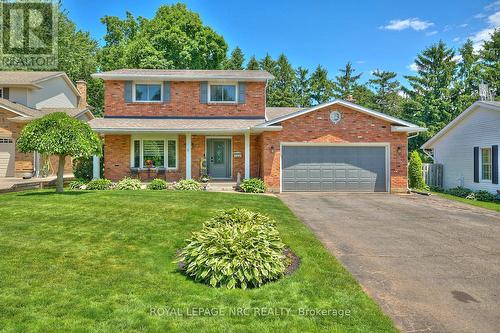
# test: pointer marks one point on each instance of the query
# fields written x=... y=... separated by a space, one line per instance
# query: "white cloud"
x=430 y=33
x=457 y=58
x=413 y=67
x=480 y=16
x=456 y=39
x=493 y=6
x=409 y=23
x=361 y=61
x=494 y=19
x=463 y=25
x=480 y=37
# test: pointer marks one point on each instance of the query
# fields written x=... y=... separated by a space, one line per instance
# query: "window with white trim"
x=223 y=93
x=146 y=92
x=154 y=153
x=485 y=163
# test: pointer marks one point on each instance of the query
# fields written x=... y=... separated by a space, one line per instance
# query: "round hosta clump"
x=235 y=249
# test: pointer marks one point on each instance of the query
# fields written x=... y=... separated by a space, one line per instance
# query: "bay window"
x=154 y=153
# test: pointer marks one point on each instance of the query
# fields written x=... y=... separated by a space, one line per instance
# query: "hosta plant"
x=99 y=184
x=235 y=249
x=253 y=185
x=188 y=185
x=76 y=184
x=128 y=184
x=157 y=184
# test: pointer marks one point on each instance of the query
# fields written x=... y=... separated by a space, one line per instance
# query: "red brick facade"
x=184 y=101
x=355 y=127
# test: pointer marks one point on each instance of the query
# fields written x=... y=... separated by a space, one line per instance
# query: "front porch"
x=175 y=156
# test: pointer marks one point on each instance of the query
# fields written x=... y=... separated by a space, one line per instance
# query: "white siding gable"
x=455 y=149
x=55 y=93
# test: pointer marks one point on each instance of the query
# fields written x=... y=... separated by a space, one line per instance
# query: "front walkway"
x=431 y=264
x=12 y=184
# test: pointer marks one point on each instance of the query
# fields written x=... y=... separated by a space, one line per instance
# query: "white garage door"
x=334 y=169
x=7 y=157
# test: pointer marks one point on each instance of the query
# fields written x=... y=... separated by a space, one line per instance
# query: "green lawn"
x=102 y=261
x=488 y=205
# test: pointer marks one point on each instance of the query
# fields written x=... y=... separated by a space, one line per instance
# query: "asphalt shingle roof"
x=24 y=77
x=188 y=74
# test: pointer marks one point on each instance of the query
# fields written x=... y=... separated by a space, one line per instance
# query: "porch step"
x=221 y=186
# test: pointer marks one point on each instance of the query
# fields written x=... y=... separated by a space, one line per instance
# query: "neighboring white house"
x=468 y=148
x=25 y=96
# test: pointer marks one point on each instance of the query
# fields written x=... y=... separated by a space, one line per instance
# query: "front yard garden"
x=87 y=261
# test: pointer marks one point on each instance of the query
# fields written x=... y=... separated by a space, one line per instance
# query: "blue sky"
x=371 y=34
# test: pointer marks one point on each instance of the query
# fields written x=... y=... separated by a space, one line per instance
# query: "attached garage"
x=334 y=168
x=7 y=157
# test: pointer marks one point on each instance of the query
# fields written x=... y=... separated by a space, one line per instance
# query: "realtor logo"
x=28 y=34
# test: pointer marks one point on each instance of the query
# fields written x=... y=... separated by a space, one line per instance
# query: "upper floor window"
x=223 y=93
x=485 y=163
x=147 y=92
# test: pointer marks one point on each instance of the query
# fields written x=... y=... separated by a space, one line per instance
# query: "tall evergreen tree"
x=236 y=60
x=253 y=64
x=490 y=58
x=432 y=104
x=344 y=84
x=320 y=86
x=386 y=88
x=268 y=64
x=302 y=87
x=466 y=87
x=281 y=92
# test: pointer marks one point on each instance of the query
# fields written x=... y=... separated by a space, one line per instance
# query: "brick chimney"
x=81 y=86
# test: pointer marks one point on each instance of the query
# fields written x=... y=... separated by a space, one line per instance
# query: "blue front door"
x=219 y=158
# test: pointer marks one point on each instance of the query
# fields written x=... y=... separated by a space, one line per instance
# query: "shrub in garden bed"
x=188 y=185
x=128 y=184
x=99 y=184
x=76 y=184
x=157 y=184
x=484 y=196
x=235 y=249
x=459 y=191
x=253 y=185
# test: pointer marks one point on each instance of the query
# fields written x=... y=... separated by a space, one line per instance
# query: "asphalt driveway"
x=432 y=264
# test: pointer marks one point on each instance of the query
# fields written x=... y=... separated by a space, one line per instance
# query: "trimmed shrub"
x=459 y=191
x=235 y=249
x=253 y=185
x=76 y=184
x=484 y=196
x=188 y=185
x=415 y=176
x=128 y=184
x=157 y=184
x=99 y=184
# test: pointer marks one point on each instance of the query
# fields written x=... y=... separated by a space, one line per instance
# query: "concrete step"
x=221 y=186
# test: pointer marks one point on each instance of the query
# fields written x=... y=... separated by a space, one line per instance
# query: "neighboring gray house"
x=25 y=96
x=468 y=148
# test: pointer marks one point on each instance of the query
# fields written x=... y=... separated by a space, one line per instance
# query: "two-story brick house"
x=165 y=123
x=25 y=96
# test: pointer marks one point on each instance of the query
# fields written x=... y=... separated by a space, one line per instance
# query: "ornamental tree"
x=61 y=135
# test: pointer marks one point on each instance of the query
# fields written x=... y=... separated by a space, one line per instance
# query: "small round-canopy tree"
x=61 y=135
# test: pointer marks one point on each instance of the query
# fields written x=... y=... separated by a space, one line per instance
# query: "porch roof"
x=180 y=125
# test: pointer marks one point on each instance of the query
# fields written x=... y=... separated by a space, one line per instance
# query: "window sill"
x=223 y=103
x=153 y=169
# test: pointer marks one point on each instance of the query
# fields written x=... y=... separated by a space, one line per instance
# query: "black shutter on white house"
x=128 y=91
x=476 y=164
x=5 y=93
x=494 y=164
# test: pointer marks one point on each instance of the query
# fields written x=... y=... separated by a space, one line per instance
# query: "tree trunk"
x=60 y=174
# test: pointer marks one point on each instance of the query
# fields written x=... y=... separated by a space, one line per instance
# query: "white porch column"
x=96 y=167
x=188 y=155
x=247 y=155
